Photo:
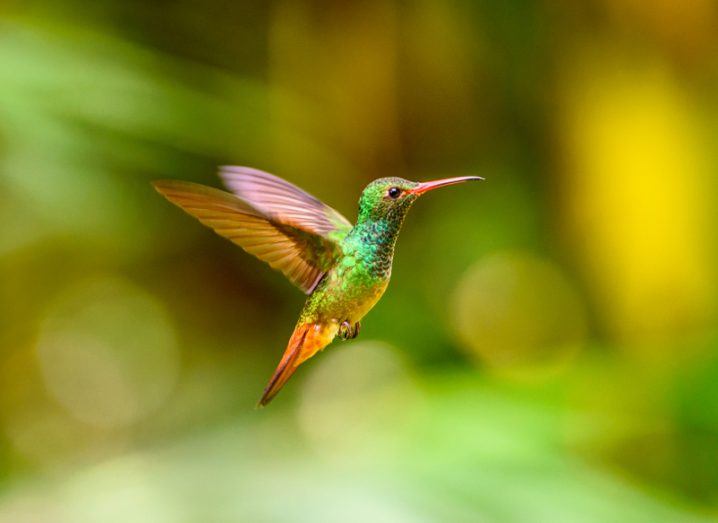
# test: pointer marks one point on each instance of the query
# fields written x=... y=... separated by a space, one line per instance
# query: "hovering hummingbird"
x=344 y=269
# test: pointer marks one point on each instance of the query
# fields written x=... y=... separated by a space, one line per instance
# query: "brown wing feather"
x=302 y=257
x=283 y=201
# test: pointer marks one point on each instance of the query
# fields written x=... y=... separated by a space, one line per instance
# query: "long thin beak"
x=435 y=184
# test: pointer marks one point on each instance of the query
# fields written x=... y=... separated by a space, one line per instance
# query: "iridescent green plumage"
x=344 y=269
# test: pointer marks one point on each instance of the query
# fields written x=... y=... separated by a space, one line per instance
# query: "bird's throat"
x=373 y=241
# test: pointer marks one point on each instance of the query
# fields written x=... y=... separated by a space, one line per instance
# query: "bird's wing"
x=302 y=255
x=284 y=202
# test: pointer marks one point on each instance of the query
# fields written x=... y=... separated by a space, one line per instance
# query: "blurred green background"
x=547 y=350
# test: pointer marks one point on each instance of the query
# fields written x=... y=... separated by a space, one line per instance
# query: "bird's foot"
x=348 y=331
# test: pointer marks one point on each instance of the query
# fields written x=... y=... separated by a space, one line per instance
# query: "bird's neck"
x=372 y=240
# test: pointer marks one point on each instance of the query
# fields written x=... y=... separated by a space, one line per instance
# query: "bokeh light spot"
x=639 y=201
x=357 y=398
x=107 y=352
x=514 y=311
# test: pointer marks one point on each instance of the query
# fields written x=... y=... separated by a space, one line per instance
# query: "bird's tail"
x=307 y=339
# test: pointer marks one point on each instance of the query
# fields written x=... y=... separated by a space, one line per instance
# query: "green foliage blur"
x=547 y=349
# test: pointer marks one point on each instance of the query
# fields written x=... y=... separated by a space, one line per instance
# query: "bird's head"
x=391 y=198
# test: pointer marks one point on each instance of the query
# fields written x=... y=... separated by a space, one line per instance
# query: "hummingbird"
x=343 y=268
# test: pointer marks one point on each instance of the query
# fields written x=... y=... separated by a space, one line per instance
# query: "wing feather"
x=302 y=255
x=284 y=202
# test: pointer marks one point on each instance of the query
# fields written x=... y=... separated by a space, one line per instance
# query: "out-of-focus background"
x=547 y=350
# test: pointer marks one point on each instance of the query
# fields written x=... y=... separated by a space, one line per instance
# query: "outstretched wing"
x=301 y=254
x=284 y=202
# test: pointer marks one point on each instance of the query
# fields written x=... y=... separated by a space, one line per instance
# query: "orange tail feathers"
x=307 y=339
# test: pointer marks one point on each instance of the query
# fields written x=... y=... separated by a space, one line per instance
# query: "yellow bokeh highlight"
x=638 y=198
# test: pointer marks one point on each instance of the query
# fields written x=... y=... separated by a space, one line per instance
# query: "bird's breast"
x=348 y=292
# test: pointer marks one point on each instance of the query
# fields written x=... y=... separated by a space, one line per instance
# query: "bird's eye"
x=394 y=193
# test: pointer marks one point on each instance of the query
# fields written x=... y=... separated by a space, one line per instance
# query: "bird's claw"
x=348 y=331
